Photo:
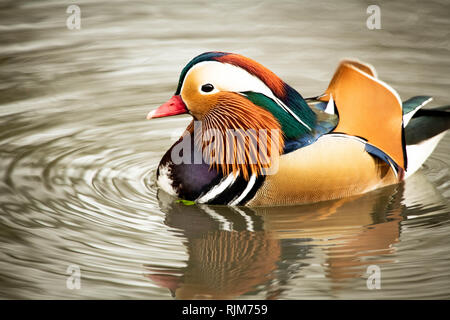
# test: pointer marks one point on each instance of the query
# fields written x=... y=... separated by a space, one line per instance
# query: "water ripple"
x=78 y=159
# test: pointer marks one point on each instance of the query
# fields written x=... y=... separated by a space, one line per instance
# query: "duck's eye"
x=207 y=87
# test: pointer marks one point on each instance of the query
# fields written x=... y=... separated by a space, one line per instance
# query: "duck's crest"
x=289 y=99
x=206 y=56
x=286 y=97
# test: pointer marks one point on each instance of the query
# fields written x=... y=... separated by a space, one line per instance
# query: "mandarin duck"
x=255 y=141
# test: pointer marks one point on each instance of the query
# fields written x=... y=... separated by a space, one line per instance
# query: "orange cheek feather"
x=228 y=110
x=197 y=103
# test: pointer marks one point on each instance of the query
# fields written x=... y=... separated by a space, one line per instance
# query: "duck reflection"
x=230 y=253
x=234 y=251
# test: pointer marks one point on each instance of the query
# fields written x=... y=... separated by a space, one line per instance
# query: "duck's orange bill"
x=171 y=108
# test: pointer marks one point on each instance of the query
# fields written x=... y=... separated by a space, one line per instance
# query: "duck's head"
x=230 y=91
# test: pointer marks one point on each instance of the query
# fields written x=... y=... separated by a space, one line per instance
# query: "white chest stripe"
x=218 y=189
x=247 y=189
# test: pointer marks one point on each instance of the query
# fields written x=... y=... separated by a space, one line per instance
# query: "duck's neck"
x=294 y=115
x=295 y=102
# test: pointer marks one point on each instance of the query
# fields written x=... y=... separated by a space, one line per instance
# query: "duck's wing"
x=326 y=121
x=412 y=105
x=368 y=108
x=335 y=166
x=423 y=133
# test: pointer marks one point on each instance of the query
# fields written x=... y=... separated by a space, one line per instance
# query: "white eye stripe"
x=227 y=77
x=218 y=188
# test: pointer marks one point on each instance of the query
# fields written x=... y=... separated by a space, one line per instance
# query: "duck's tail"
x=424 y=128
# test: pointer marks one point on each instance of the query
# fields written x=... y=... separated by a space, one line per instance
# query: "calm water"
x=78 y=158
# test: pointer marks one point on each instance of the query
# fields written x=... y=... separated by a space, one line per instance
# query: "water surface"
x=78 y=158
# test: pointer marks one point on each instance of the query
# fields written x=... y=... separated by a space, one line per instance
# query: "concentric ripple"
x=78 y=158
x=74 y=195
